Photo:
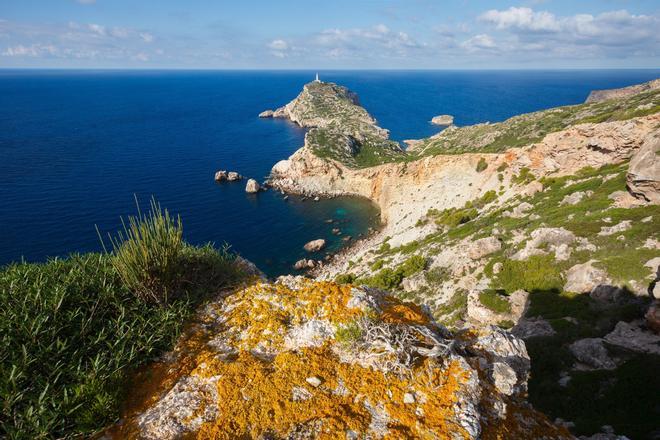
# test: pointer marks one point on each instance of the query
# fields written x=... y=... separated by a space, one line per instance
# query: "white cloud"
x=522 y=18
x=96 y=29
x=146 y=37
x=278 y=45
x=34 y=50
x=479 y=42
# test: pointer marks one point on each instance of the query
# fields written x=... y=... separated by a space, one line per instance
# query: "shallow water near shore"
x=75 y=146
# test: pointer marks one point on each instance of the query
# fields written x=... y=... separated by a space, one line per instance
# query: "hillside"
x=546 y=224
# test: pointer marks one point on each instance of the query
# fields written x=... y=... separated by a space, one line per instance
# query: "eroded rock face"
x=604 y=95
x=591 y=353
x=298 y=359
x=643 y=176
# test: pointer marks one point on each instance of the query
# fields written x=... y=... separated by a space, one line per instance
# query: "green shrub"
x=437 y=275
x=73 y=330
x=502 y=167
x=494 y=301
x=384 y=248
x=481 y=165
x=412 y=265
x=454 y=217
x=524 y=177
x=378 y=264
x=345 y=278
x=386 y=279
x=147 y=253
x=348 y=334
x=538 y=272
x=489 y=196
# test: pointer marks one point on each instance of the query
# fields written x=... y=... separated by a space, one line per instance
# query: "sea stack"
x=252 y=186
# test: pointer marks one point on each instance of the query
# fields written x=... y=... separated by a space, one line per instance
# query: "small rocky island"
x=442 y=120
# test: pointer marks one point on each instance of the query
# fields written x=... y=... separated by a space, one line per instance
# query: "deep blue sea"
x=75 y=146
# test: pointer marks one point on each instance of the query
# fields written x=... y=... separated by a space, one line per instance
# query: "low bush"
x=345 y=278
x=481 y=165
x=538 y=272
x=494 y=301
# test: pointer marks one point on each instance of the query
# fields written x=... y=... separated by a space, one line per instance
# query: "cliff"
x=605 y=95
x=546 y=224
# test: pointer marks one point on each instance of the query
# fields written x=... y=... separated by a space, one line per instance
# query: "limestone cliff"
x=604 y=95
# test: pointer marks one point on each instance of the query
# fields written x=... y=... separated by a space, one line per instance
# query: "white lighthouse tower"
x=317 y=78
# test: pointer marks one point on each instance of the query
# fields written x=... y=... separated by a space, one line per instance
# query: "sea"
x=77 y=148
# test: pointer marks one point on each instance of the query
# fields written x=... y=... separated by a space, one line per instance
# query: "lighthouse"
x=317 y=78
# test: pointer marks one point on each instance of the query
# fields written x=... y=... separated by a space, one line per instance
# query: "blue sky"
x=331 y=34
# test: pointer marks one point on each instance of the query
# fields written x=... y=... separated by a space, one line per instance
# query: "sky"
x=330 y=34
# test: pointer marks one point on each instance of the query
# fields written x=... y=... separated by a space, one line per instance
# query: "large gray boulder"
x=592 y=354
x=643 y=178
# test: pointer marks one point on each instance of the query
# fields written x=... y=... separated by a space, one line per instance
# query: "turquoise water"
x=75 y=146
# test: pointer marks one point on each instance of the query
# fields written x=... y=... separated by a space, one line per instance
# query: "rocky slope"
x=546 y=223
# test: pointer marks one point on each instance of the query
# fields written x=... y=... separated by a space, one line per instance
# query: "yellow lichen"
x=256 y=396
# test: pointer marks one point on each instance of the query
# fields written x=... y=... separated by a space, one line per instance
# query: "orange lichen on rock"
x=396 y=312
x=268 y=362
x=258 y=397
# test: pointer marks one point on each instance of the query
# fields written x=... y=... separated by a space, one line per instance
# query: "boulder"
x=619 y=227
x=576 y=197
x=652 y=317
x=442 y=120
x=233 y=176
x=520 y=210
x=315 y=245
x=252 y=186
x=303 y=264
x=583 y=278
x=532 y=327
x=556 y=240
x=484 y=246
x=220 y=175
x=643 y=178
x=266 y=114
x=504 y=378
x=591 y=352
x=533 y=188
x=631 y=336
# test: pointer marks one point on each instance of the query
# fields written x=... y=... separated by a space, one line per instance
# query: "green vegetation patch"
x=494 y=301
x=539 y=272
x=73 y=330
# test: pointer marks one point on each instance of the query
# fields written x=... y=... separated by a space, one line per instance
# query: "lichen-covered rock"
x=634 y=337
x=302 y=359
x=643 y=176
x=484 y=246
x=220 y=175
